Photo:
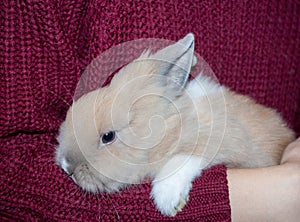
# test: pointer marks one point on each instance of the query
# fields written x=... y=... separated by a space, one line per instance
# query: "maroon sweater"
x=253 y=47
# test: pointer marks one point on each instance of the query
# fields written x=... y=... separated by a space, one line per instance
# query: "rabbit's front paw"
x=172 y=184
x=171 y=194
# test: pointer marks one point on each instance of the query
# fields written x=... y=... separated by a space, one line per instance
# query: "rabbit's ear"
x=175 y=63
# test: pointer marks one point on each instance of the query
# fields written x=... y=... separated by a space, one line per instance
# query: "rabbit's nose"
x=70 y=173
x=67 y=167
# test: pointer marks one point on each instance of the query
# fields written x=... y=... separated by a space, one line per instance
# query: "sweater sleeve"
x=209 y=199
x=32 y=188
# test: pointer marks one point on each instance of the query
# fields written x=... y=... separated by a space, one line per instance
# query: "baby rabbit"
x=152 y=122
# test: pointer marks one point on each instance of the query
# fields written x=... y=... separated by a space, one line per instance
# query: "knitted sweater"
x=252 y=46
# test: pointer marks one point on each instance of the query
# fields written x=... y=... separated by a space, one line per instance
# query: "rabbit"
x=152 y=122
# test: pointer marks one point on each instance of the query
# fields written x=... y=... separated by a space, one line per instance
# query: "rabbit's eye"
x=108 y=137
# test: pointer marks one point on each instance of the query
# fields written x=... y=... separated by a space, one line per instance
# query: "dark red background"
x=252 y=46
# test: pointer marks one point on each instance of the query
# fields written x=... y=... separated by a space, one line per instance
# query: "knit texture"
x=252 y=46
x=33 y=187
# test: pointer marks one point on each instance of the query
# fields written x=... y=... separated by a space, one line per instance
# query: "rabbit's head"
x=120 y=133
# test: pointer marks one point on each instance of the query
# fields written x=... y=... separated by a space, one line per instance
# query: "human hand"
x=292 y=153
x=267 y=193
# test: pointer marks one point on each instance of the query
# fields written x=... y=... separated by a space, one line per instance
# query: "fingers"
x=292 y=152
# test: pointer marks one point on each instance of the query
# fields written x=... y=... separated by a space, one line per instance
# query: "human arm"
x=269 y=193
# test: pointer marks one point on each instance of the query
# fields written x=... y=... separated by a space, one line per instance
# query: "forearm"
x=265 y=194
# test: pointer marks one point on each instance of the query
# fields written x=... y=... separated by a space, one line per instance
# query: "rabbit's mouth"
x=94 y=182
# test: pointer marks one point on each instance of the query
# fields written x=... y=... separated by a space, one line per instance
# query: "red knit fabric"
x=252 y=46
x=33 y=187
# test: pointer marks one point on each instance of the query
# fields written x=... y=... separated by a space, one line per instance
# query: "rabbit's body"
x=232 y=129
x=151 y=122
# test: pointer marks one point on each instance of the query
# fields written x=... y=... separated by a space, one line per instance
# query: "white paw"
x=171 y=187
x=170 y=195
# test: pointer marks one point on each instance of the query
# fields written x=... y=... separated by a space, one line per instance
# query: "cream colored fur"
x=156 y=119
